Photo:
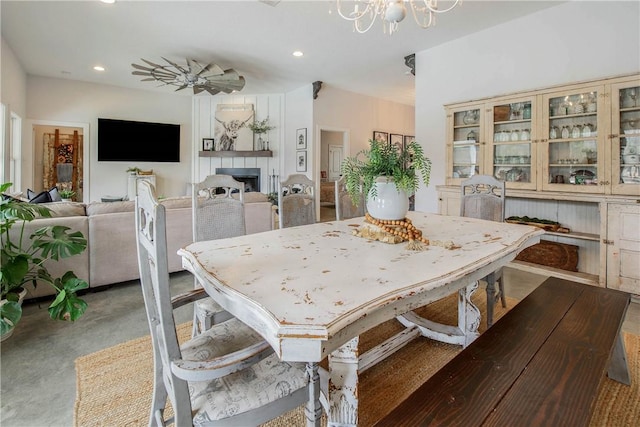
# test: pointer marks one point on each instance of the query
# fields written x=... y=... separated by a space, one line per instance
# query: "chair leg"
x=160 y=395
x=491 y=298
x=503 y=296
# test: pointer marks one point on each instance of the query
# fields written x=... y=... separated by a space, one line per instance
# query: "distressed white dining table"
x=310 y=291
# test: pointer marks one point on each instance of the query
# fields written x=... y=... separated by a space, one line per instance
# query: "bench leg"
x=618 y=369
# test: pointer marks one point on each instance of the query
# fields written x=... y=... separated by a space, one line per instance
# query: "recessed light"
x=108 y=1
x=98 y=68
x=297 y=53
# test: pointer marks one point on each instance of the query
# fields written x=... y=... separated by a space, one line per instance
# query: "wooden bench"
x=540 y=365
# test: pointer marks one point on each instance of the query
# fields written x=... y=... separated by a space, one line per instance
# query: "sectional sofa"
x=109 y=227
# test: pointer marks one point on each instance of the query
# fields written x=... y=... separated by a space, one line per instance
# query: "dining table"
x=312 y=290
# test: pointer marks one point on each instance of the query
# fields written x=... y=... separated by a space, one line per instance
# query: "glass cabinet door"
x=511 y=156
x=465 y=152
x=574 y=156
x=625 y=122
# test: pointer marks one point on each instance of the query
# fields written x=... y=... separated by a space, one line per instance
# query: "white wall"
x=571 y=42
x=300 y=111
x=335 y=108
x=60 y=100
x=13 y=94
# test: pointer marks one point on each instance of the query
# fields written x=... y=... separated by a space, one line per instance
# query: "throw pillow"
x=43 y=197
x=53 y=193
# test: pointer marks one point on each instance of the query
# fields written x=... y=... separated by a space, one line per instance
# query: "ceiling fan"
x=210 y=78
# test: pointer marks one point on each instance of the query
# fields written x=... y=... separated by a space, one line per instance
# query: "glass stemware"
x=633 y=95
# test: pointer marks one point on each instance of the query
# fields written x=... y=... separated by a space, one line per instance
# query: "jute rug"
x=114 y=385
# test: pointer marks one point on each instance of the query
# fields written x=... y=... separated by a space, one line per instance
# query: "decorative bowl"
x=629 y=159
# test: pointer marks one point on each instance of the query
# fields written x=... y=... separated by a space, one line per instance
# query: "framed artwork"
x=301 y=161
x=207 y=144
x=231 y=127
x=381 y=136
x=397 y=139
x=301 y=139
x=408 y=139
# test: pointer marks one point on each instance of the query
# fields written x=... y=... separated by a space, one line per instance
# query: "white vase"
x=389 y=203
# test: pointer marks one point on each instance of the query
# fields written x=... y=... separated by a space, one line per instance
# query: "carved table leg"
x=313 y=409
x=343 y=385
x=468 y=314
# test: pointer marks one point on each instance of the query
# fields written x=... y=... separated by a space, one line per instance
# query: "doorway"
x=59 y=157
x=332 y=148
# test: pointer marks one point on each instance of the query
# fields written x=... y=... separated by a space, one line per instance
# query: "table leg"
x=468 y=314
x=313 y=409
x=343 y=385
x=462 y=334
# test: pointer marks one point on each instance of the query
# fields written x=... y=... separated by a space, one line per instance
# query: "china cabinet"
x=625 y=137
x=466 y=142
x=623 y=247
x=569 y=154
x=511 y=155
x=573 y=148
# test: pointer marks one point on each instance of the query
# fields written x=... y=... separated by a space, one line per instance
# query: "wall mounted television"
x=124 y=140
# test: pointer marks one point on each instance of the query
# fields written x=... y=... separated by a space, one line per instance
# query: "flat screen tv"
x=123 y=140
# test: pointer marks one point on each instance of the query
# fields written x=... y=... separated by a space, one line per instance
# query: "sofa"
x=109 y=227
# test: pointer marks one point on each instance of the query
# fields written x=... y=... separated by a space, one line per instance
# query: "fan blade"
x=194 y=66
x=212 y=91
x=153 y=64
x=141 y=73
x=177 y=67
x=228 y=76
x=165 y=73
x=231 y=84
x=210 y=70
x=181 y=87
x=151 y=79
x=141 y=67
x=197 y=89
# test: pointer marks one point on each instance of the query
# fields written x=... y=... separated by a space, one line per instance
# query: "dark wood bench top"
x=540 y=365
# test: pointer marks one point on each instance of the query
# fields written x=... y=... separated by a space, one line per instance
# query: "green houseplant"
x=406 y=166
x=23 y=259
x=67 y=194
x=259 y=128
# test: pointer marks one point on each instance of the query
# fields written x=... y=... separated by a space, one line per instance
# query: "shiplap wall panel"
x=264 y=106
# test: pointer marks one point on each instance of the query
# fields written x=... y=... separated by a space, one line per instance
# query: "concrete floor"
x=38 y=372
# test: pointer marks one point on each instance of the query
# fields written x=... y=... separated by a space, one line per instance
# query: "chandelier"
x=210 y=78
x=365 y=12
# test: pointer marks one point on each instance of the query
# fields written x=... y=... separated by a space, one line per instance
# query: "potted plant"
x=261 y=127
x=67 y=195
x=23 y=259
x=134 y=170
x=386 y=171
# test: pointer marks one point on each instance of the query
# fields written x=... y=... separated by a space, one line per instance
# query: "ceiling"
x=65 y=39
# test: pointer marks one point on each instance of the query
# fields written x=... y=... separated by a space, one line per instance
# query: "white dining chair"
x=345 y=206
x=218 y=212
x=483 y=197
x=223 y=376
x=296 y=201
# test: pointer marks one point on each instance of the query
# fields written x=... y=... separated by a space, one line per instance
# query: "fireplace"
x=250 y=177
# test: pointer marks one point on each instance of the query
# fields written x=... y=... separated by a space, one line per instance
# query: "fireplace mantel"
x=262 y=153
